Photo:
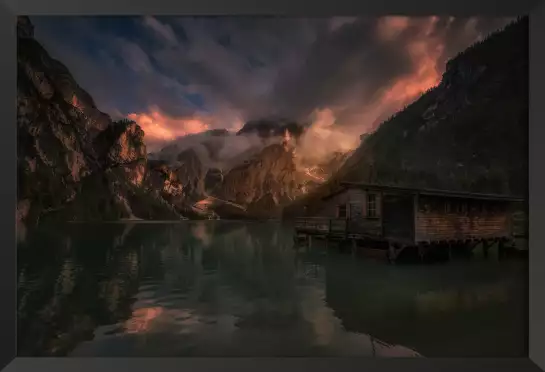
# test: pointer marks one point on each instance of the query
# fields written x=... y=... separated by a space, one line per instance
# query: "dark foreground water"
x=216 y=288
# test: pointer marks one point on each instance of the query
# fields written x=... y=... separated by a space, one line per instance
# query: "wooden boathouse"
x=393 y=218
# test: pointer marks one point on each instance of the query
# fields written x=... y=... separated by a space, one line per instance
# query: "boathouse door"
x=398 y=217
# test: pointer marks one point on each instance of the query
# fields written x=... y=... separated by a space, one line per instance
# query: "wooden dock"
x=421 y=223
x=367 y=237
x=339 y=228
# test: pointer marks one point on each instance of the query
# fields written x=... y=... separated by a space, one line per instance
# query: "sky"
x=177 y=76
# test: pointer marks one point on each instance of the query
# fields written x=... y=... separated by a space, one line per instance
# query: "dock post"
x=309 y=245
x=391 y=253
x=486 y=247
x=498 y=245
x=421 y=252
x=450 y=251
x=501 y=249
x=354 y=247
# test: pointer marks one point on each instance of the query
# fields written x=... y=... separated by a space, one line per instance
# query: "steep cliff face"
x=265 y=182
x=73 y=162
x=469 y=133
x=191 y=171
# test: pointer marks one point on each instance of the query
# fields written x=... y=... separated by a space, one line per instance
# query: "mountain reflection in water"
x=220 y=288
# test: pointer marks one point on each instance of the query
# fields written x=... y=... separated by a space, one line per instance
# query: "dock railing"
x=519 y=225
x=320 y=225
x=337 y=226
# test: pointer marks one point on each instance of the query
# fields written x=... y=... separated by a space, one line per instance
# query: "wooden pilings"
x=391 y=253
x=391 y=250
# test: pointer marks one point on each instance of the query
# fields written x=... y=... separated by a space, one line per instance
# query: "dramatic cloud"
x=182 y=75
x=163 y=31
x=160 y=128
x=366 y=70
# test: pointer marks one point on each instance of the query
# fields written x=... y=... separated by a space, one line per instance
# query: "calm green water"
x=217 y=288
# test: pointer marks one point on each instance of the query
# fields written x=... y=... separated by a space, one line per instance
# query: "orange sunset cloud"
x=159 y=127
x=425 y=52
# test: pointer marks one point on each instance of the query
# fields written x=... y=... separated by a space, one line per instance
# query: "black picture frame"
x=536 y=343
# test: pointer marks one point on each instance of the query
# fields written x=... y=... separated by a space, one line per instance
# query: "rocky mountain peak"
x=267 y=128
x=25 y=29
x=73 y=162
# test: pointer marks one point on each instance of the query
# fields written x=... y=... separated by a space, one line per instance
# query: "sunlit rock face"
x=164 y=180
x=52 y=133
x=264 y=183
x=122 y=145
x=252 y=174
x=73 y=162
x=126 y=143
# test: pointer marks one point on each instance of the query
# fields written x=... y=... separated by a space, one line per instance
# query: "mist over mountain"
x=469 y=133
x=263 y=167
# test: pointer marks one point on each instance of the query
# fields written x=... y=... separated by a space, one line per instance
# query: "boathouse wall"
x=361 y=208
x=444 y=219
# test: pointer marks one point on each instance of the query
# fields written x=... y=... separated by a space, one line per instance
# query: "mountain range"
x=75 y=163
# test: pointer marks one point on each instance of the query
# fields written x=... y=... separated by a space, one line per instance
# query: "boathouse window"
x=371 y=205
x=425 y=207
x=448 y=207
x=458 y=207
x=341 y=211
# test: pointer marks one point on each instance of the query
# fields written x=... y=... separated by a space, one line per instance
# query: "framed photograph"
x=216 y=185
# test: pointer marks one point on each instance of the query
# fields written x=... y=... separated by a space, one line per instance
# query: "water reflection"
x=461 y=309
x=223 y=288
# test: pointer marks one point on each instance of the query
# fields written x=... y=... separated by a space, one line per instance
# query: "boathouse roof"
x=425 y=192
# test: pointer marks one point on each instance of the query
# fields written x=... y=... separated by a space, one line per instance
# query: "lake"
x=221 y=288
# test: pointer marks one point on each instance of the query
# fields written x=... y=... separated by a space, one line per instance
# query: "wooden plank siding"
x=442 y=219
x=437 y=227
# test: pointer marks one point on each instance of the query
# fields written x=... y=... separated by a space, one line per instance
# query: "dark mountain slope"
x=469 y=133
